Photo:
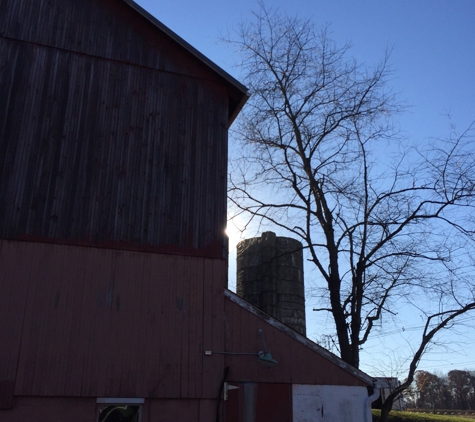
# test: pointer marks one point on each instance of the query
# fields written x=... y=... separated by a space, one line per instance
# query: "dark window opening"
x=119 y=413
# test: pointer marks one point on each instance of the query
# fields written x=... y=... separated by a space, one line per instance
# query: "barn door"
x=258 y=402
x=307 y=405
x=328 y=403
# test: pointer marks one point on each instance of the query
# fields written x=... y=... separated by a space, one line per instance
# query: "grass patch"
x=399 y=416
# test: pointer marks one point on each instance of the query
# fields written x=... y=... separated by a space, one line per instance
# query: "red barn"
x=113 y=257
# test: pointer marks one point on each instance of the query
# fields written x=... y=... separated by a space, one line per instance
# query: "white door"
x=306 y=404
x=328 y=403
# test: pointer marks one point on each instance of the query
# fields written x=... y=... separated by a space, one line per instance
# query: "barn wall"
x=103 y=28
x=108 y=323
x=335 y=403
x=51 y=409
x=297 y=363
x=263 y=402
x=42 y=409
x=108 y=137
x=259 y=402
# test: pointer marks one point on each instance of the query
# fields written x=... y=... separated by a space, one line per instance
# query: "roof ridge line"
x=187 y=46
x=299 y=337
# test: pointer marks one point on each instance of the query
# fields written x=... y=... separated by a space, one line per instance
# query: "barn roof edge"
x=200 y=56
x=370 y=381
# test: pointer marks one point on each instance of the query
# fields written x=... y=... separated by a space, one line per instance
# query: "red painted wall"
x=36 y=409
x=266 y=402
x=297 y=364
x=96 y=322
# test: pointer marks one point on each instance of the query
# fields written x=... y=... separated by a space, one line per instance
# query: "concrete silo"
x=270 y=277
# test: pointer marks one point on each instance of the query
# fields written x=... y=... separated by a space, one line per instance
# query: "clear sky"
x=433 y=58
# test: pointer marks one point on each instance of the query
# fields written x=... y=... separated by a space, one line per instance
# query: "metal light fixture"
x=263 y=356
x=266 y=358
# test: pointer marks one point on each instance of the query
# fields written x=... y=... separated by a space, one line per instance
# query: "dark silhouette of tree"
x=455 y=390
x=461 y=388
x=382 y=231
x=472 y=390
x=433 y=391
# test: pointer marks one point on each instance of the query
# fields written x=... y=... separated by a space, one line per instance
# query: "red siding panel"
x=181 y=410
x=268 y=402
x=15 y=265
x=213 y=326
x=296 y=363
x=47 y=409
x=100 y=322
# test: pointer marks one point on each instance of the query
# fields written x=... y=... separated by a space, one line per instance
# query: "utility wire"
x=415 y=328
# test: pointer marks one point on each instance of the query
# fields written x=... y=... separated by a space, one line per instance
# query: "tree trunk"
x=385 y=409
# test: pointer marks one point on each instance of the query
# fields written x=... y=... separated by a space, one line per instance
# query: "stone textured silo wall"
x=270 y=277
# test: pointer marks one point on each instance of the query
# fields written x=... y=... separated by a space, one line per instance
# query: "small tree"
x=434 y=324
x=460 y=385
x=472 y=390
x=383 y=230
x=428 y=387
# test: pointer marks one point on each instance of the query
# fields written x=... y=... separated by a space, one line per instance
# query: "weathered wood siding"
x=96 y=322
x=297 y=364
x=101 y=28
x=110 y=134
x=47 y=409
x=265 y=401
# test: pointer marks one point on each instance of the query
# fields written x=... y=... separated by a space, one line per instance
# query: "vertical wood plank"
x=14 y=287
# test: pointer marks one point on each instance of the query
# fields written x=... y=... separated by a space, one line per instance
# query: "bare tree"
x=434 y=324
x=383 y=224
x=432 y=391
x=460 y=385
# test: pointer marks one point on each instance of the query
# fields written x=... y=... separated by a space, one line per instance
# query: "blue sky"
x=432 y=41
x=433 y=58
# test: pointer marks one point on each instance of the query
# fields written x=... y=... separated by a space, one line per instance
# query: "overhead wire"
x=404 y=329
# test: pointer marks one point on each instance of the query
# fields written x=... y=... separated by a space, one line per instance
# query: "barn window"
x=119 y=409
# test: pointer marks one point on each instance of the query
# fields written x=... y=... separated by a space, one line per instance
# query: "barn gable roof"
x=110 y=116
x=114 y=30
x=237 y=101
x=327 y=355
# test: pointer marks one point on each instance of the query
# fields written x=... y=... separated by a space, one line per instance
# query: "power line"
x=415 y=328
x=458 y=364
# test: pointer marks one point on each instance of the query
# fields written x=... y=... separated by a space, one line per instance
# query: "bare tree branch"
x=379 y=228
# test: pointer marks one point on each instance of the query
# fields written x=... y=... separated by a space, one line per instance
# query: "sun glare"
x=234 y=231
